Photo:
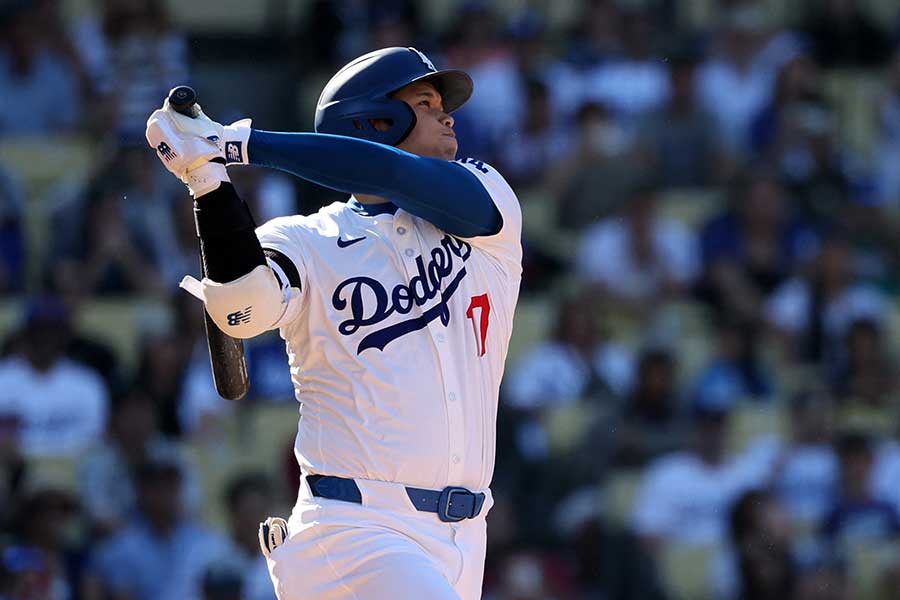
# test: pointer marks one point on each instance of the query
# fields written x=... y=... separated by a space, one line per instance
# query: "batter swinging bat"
x=229 y=366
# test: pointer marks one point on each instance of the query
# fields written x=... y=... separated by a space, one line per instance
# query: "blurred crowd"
x=702 y=396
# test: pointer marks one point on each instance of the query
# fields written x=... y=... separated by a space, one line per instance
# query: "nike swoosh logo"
x=344 y=243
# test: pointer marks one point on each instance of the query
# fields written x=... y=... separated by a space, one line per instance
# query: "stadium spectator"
x=592 y=179
x=110 y=257
x=12 y=236
x=526 y=154
x=864 y=380
x=249 y=500
x=47 y=522
x=25 y=574
x=762 y=565
x=576 y=362
x=636 y=82
x=824 y=576
x=735 y=372
x=844 y=36
x=753 y=246
x=529 y=574
x=223 y=582
x=159 y=554
x=161 y=372
x=60 y=406
x=814 y=168
x=197 y=412
x=652 y=421
x=134 y=57
x=475 y=45
x=34 y=76
x=610 y=563
x=857 y=516
x=13 y=468
x=537 y=60
x=805 y=481
x=736 y=82
x=680 y=136
x=798 y=81
x=815 y=313
x=637 y=256
x=106 y=475
x=598 y=34
x=888 y=154
x=684 y=496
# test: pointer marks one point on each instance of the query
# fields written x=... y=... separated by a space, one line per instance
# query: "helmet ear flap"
x=352 y=118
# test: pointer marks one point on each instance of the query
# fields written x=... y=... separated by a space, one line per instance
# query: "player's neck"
x=366 y=199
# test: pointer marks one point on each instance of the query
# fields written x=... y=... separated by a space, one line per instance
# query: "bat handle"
x=183 y=100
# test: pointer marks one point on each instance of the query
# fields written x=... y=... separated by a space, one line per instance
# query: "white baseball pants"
x=382 y=549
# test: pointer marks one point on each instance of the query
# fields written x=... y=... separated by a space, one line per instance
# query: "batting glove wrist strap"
x=236 y=137
x=205 y=178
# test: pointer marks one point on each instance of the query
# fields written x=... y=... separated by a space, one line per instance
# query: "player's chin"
x=448 y=148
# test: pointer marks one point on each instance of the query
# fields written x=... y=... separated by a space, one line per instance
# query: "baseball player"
x=396 y=308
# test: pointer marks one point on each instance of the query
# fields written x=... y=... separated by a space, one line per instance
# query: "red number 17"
x=480 y=327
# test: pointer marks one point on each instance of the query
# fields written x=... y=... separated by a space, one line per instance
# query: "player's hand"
x=272 y=533
x=231 y=139
x=181 y=144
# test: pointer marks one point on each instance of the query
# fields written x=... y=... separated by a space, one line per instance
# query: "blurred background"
x=702 y=397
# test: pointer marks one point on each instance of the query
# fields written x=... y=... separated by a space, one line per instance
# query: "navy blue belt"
x=451 y=504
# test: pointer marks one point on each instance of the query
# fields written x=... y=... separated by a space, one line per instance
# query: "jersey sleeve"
x=279 y=239
x=506 y=244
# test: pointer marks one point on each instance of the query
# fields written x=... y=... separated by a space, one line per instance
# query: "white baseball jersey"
x=398 y=339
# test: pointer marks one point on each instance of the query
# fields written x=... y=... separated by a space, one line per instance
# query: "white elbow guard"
x=245 y=307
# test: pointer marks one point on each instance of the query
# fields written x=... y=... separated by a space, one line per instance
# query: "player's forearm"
x=228 y=242
x=439 y=191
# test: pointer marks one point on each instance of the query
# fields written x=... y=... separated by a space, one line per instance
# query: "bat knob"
x=182 y=100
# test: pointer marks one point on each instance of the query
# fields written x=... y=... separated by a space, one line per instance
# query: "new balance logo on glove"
x=233 y=152
x=166 y=152
x=240 y=316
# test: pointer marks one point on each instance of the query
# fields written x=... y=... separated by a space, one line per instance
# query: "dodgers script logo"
x=424 y=286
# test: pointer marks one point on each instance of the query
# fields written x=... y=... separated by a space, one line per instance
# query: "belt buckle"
x=446 y=499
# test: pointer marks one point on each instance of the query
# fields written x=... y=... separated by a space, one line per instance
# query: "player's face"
x=433 y=134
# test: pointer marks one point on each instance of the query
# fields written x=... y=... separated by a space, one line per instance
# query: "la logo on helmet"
x=425 y=60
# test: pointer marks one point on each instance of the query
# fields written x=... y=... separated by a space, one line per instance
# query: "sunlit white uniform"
x=396 y=344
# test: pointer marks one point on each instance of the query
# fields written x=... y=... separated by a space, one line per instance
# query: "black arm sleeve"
x=229 y=248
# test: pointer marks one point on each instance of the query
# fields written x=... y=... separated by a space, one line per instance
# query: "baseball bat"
x=226 y=354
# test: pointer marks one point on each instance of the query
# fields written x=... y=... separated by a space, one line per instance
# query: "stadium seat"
x=619 y=493
x=531 y=325
x=56 y=472
x=568 y=425
x=855 y=95
x=120 y=322
x=223 y=16
x=867 y=562
x=685 y=570
x=751 y=420
x=276 y=424
x=42 y=162
x=691 y=207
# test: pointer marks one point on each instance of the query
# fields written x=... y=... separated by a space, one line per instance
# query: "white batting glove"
x=186 y=148
x=233 y=142
x=231 y=139
x=189 y=147
x=272 y=533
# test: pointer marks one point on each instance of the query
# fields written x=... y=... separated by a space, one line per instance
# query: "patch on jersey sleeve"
x=286 y=265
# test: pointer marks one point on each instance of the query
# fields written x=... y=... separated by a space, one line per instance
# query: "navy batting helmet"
x=362 y=90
